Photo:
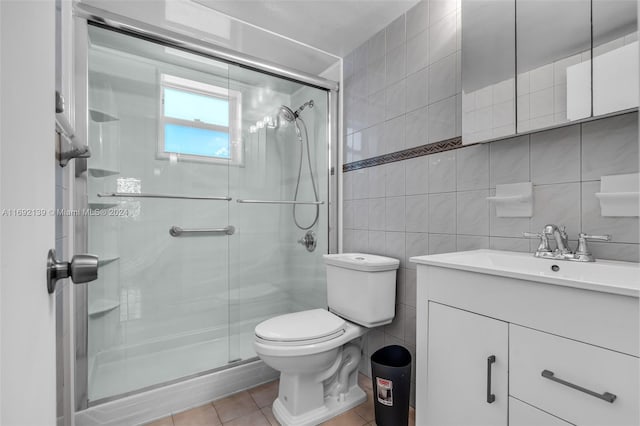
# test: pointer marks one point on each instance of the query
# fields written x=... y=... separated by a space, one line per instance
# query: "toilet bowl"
x=318 y=351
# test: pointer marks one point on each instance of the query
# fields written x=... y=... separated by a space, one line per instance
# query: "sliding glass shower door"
x=158 y=180
x=191 y=188
x=271 y=272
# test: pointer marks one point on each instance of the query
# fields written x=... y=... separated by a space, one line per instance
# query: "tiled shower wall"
x=437 y=203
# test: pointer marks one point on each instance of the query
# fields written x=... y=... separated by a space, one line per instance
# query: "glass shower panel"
x=271 y=273
x=163 y=132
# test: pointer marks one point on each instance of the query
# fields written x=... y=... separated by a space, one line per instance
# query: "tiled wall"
x=401 y=87
x=401 y=90
x=437 y=203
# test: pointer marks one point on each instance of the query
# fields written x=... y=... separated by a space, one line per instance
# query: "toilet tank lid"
x=300 y=326
x=362 y=262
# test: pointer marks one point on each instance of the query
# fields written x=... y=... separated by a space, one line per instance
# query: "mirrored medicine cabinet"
x=536 y=64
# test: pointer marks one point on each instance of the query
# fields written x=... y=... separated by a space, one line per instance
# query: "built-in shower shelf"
x=102 y=306
x=107 y=260
x=101 y=117
x=101 y=206
x=100 y=172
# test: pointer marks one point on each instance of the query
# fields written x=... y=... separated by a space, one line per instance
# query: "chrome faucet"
x=560 y=235
x=562 y=251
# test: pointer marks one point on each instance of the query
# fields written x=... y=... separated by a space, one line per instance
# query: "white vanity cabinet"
x=564 y=352
x=465 y=350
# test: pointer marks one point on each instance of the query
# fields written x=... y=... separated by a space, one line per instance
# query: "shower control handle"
x=309 y=241
x=83 y=268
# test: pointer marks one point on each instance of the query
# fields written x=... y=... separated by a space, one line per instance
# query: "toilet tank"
x=361 y=287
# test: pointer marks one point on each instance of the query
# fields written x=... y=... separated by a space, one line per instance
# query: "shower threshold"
x=114 y=377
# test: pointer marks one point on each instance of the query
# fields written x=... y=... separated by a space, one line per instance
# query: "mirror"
x=488 y=69
x=615 y=55
x=553 y=62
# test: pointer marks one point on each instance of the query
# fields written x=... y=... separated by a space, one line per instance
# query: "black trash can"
x=391 y=376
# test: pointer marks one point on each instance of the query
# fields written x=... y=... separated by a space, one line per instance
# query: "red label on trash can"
x=384 y=391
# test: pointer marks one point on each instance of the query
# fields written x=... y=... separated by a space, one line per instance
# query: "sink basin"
x=603 y=275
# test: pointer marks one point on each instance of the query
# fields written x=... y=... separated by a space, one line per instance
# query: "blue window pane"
x=196 y=141
x=192 y=106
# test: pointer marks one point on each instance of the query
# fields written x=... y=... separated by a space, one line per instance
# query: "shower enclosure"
x=201 y=189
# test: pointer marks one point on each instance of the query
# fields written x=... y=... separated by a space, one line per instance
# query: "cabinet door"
x=460 y=376
x=573 y=380
x=554 y=62
x=488 y=70
x=521 y=414
x=615 y=55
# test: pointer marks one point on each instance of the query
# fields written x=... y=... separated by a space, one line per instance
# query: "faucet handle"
x=582 y=242
x=544 y=241
x=605 y=237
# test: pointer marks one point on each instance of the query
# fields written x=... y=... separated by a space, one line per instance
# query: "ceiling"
x=334 y=26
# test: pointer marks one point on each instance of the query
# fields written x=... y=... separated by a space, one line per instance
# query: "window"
x=199 y=121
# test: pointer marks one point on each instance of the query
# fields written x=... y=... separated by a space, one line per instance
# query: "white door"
x=27 y=183
x=467 y=362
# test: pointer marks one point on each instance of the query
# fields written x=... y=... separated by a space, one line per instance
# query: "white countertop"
x=607 y=276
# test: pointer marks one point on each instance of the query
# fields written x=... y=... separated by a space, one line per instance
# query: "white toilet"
x=317 y=351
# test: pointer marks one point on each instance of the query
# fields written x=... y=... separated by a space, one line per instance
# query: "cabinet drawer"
x=577 y=364
x=521 y=414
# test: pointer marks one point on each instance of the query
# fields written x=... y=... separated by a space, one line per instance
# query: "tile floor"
x=253 y=408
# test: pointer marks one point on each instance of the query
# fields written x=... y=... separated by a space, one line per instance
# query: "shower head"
x=286 y=113
x=290 y=115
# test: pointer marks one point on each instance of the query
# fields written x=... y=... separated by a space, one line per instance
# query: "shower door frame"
x=85 y=15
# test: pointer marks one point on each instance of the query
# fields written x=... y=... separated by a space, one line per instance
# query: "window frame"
x=234 y=129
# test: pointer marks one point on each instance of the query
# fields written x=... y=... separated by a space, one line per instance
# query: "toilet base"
x=331 y=408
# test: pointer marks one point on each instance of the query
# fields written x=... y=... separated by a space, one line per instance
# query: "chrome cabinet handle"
x=490 y=397
x=607 y=396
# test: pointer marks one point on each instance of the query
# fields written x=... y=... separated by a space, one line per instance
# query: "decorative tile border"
x=418 y=151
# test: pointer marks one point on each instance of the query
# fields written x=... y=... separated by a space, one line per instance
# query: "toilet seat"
x=301 y=328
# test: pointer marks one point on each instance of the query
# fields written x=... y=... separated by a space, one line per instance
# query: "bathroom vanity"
x=504 y=338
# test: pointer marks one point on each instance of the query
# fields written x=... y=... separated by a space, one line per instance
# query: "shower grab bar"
x=143 y=195
x=176 y=231
x=279 y=202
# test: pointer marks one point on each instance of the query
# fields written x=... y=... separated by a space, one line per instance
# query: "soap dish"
x=620 y=195
x=513 y=200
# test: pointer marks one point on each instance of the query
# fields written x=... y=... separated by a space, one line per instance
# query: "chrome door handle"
x=83 y=268
x=607 y=396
